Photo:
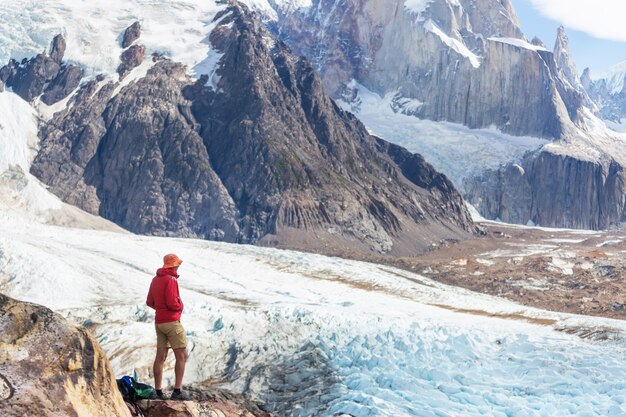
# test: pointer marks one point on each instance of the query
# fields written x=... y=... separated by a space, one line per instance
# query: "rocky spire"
x=538 y=42
x=57 y=48
x=585 y=79
x=564 y=61
x=131 y=34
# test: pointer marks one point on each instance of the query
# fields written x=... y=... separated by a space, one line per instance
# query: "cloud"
x=604 y=19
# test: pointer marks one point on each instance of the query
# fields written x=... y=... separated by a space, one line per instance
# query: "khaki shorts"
x=171 y=334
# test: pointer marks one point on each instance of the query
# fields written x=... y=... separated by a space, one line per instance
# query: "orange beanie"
x=171 y=261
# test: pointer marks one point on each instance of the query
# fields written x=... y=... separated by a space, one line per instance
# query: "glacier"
x=454 y=149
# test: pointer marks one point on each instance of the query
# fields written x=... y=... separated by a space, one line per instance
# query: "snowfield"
x=309 y=335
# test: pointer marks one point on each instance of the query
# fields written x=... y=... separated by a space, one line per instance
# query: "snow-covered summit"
x=565 y=61
x=614 y=77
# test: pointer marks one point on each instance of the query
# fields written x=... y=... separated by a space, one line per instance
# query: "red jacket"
x=164 y=296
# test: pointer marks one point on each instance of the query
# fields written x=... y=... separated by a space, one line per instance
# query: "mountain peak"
x=564 y=60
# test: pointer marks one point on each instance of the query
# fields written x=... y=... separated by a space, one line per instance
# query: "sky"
x=596 y=29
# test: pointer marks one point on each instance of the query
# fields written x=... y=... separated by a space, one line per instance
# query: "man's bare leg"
x=157 y=369
x=179 y=370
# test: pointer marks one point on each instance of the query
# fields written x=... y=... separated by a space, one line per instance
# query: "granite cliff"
x=462 y=61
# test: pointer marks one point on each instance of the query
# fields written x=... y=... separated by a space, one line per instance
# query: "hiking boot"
x=180 y=396
x=156 y=396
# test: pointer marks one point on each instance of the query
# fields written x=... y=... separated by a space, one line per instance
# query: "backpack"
x=132 y=390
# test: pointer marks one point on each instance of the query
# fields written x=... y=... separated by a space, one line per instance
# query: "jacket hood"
x=167 y=271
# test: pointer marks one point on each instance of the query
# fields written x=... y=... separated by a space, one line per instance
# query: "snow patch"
x=617 y=127
x=270 y=9
x=565 y=240
x=417 y=6
x=18 y=132
x=609 y=242
x=455 y=44
x=46 y=111
x=563 y=266
x=135 y=74
x=520 y=43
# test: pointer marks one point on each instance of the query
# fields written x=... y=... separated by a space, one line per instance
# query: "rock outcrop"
x=49 y=368
x=261 y=156
x=131 y=58
x=204 y=403
x=131 y=34
x=43 y=76
x=133 y=54
x=554 y=190
x=465 y=61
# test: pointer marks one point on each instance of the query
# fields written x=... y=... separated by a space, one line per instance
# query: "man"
x=165 y=299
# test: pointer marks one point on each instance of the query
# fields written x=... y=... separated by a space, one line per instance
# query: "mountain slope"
x=250 y=150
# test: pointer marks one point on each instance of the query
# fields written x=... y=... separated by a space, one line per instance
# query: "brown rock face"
x=49 y=368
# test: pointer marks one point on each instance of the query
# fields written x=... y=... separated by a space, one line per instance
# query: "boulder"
x=49 y=368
